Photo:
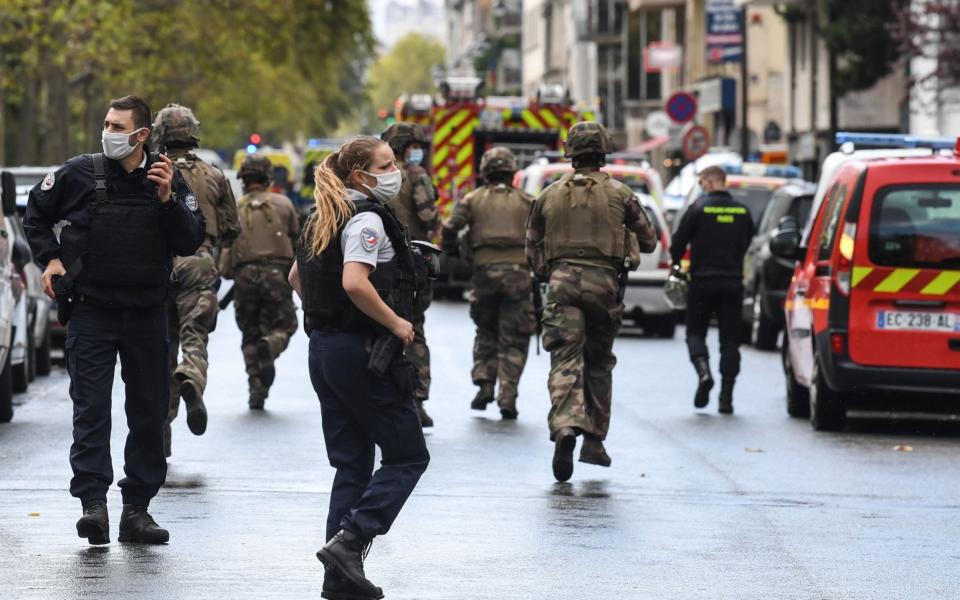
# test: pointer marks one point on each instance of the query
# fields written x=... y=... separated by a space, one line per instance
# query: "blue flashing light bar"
x=894 y=140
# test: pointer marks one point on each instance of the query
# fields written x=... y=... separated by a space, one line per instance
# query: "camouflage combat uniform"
x=580 y=233
x=260 y=260
x=192 y=305
x=501 y=305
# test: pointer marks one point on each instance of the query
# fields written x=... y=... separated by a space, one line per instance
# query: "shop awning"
x=651 y=144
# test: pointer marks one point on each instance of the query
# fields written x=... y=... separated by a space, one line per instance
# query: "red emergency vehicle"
x=873 y=309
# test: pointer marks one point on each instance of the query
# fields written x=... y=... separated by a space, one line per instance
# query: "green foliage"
x=284 y=68
x=405 y=69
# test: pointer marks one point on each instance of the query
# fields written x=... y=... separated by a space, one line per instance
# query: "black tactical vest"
x=125 y=245
x=326 y=306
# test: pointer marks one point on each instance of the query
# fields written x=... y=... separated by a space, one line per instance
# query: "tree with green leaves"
x=407 y=68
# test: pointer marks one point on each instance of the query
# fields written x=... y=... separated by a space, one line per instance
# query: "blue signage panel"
x=725 y=27
x=682 y=107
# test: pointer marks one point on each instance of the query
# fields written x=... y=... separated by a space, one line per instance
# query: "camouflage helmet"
x=256 y=167
x=402 y=134
x=175 y=124
x=587 y=137
x=498 y=160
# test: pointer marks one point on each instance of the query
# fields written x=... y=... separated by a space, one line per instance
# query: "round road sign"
x=657 y=124
x=696 y=142
x=682 y=107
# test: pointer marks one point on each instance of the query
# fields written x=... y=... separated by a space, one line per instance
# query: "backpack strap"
x=100 y=176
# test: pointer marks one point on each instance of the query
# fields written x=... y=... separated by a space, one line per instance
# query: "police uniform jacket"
x=718 y=228
x=66 y=195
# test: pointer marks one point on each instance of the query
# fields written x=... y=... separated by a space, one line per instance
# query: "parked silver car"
x=7 y=301
x=644 y=301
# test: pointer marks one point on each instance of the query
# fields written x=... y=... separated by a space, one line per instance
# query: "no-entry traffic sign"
x=696 y=142
x=682 y=107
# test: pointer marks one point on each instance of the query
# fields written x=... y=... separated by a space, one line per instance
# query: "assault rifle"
x=538 y=310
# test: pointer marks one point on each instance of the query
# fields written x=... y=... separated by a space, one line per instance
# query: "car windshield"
x=637 y=183
x=755 y=199
x=916 y=226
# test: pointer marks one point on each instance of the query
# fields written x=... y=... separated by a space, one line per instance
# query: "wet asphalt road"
x=695 y=506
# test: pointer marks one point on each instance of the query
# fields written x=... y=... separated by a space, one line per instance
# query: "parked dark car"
x=766 y=277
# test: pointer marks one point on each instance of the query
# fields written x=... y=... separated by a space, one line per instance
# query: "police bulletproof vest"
x=498 y=217
x=204 y=190
x=326 y=306
x=125 y=245
x=263 y=234
x=584 y=218
x=403 y=204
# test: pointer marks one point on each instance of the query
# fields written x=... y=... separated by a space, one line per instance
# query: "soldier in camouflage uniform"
x=258 y=261
x=192 y=305
x=502 y=305
x=584 y=232
x=416 y=206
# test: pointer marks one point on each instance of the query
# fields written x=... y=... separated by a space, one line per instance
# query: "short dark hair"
x=715 y=173
x=141 y=110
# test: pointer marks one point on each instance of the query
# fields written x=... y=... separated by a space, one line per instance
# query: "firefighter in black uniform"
x=718 y=229
x=127 y=212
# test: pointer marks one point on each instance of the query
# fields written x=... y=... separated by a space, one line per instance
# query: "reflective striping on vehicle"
x=928 y=282
x=897 y=280
x=725 y=210
x=942 y=283
x=859 y=273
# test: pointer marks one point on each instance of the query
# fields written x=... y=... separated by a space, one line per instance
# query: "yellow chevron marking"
x=464 y=154
x=465 y=173
x=442 y=173
x=440 y=156
x=449 y=126
x=942 y=283
x=549 y=118
x=897 y=280
x=465 y=132
x=530 y=119
x=859 y=273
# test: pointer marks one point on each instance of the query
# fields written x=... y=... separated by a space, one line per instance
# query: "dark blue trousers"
x=360 y=412
x=723 y=297
x=95 y=337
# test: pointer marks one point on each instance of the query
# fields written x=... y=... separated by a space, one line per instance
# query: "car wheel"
x=798 y=397
x=827 y=411
x=666 y=326
x=764 y=331
x=6 y=392
x=42 y=360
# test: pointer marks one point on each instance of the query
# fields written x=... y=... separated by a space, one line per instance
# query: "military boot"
x=725 y=406
x=94 y=524
x=335 y=587
x=196 y=409
x=425 y=419
x=345 y=554
x=705 y=383
x=564 y=443
x=593 y=453
x=508 y=409
x=258 y=396
x=268 y=371
x=167 y=439
x=138 y=527
x=484 y=396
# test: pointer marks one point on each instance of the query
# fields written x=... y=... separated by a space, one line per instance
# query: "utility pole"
x=744 y=90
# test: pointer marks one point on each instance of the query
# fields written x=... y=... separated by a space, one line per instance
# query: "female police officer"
x=356 y=275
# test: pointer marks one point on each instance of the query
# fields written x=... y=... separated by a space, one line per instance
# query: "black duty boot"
x=138 y=527
x=196 y=409
x=508 y=409
x=167 y=434
x=344 y=554
x=257 y=399
x=335 y=587
x=593 y=453
x=725 y=406
x=484 y=396
x=564 y=443
x=425 y=419
x=268 y=371
x=94 y=524
x=705 y=383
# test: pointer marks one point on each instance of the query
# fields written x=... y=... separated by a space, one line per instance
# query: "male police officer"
x=501 y=305
x=259 y=261
x=127 y=213
x=416 y=207
x=584 y=232
x=192 y=306
x=718 y=229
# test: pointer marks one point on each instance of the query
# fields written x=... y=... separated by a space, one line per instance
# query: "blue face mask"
x=415 y=157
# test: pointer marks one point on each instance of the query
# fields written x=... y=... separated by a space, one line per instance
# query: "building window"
x=643 y=27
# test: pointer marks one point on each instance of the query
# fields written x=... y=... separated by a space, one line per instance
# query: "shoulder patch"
x=48 y=181
x=191 y=202
x=369 y=238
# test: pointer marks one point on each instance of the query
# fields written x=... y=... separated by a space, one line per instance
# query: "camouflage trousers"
x=502 y=308
x=264 y=308
x=582 y=316
x=418 y=352
x=191 y=316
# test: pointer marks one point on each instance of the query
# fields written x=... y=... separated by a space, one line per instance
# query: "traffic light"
x=382 y=114
x=255 y=139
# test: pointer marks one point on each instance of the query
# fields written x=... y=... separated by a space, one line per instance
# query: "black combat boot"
x=425 y=419
x=484 y=396
x=564 y=443
x=344 y=554
x=508 y=409
x=335 y=587
x=138 y=527
x=196 y=409
x=167 y=435
x=725 y=406
x=705 y=383
x=94 y=524
x=258 y=396
x=593 y=453
x=268 y=371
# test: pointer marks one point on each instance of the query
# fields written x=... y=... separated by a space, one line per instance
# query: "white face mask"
x=388 y=185
x=117 y=145
x=415 y=157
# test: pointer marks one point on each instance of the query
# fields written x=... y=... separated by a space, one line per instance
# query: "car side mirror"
x=8 y=190
x=785 y=242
